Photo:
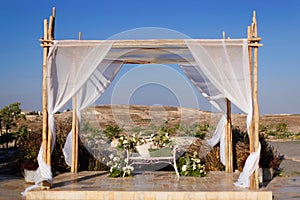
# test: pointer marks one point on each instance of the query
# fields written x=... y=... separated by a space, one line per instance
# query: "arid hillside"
x=132 y=116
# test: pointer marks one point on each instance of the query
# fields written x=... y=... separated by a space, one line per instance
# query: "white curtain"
x=89 y=93
x=73 y=69
x=225 y=66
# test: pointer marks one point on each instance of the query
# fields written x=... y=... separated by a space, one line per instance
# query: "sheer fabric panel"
x=69 y=68
x=225 y=64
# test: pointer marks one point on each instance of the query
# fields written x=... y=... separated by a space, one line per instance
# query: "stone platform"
x=147 y=185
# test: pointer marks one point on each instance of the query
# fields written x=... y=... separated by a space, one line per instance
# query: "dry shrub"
x=241 y=152
x=212 y=160
x=63 y=127
x=269 y=158
x=86 y=161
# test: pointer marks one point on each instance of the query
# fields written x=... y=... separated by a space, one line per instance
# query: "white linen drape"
x=225 y=64
x=89 y=93
x=70 y=67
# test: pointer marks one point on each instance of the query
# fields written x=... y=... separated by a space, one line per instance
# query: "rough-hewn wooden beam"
x=46 y=134
x=254 y=137
x=228 y=140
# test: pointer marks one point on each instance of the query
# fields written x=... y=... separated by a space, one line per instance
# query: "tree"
x=9 y=115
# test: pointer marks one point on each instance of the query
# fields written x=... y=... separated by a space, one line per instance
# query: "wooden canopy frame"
x=253 y=44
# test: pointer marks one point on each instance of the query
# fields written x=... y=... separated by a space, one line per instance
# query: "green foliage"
x=196 y=130
x=190 y=165
x=281 y=127
x=267 y=130
x=112 y=132
x=29 y=145
x=165 y=129
x=280 y=131
x=8 y=117
x=94 y=133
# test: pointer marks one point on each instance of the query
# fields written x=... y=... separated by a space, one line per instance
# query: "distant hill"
x=129 y=116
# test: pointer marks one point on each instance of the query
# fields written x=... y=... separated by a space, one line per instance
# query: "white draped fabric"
x=222 y=71
x=218 y=68
x=74 y=70
x=89 y=93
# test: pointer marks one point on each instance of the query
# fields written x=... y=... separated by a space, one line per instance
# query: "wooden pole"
x=254 y=136
x=228 y=139
x=74 y=166
x=228 y=134
x=50 y=37
x=44 y=94
x=251 y=131
x=74 y=136
x=250 y=52
x=46 y=134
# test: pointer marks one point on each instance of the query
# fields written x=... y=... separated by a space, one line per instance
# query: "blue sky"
x=278 y=23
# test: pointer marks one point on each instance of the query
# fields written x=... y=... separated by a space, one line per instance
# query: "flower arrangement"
x=129 y=143
x=190 y=165
x=161 y=139
x=118 y=165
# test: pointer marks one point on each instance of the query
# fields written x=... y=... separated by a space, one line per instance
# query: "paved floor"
x=11 y=187
x=285 y=188
x=147 y=185
x=282 y=188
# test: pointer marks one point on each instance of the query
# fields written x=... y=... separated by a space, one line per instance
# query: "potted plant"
x=29 y=145
x=29 y=164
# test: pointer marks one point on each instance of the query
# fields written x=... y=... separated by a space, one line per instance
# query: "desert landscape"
x=282 y=130
x=278 y=128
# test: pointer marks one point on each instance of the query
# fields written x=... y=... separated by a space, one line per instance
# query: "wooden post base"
x=46 y=185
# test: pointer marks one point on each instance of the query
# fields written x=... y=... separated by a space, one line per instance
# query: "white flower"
x=194 y=166
x=183 y=168
x=111 y=156
x=125 y=142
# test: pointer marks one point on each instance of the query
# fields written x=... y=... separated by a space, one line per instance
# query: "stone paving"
x=152 y=181
x=11 y=187
x=282 y=188
x=285 y=188
x=147 y=185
